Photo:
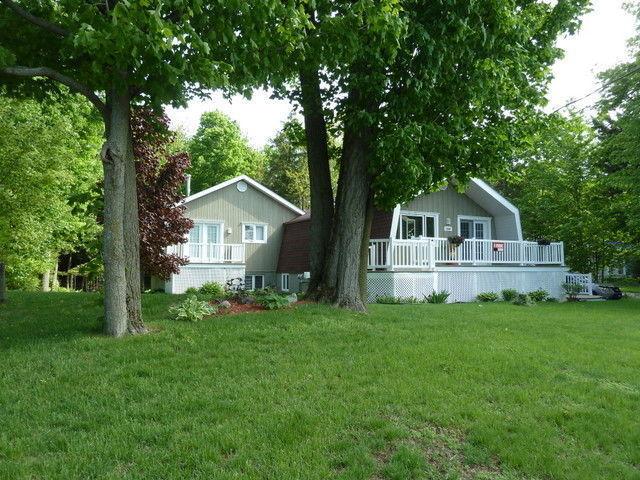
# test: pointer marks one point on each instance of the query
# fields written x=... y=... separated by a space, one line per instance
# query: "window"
x=284 y=282
x=253 y=282
x=474 y=227
x=254 y=233
x=416 y=225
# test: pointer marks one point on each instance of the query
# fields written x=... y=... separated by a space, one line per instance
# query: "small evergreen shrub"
x=488 y=297
x=438 y=297
x=539 y=295
x=551 y=300
x=572 y=290
x=191 y=291
x=523 y=300
x=191 y=310
x=212 y=290
x=509 y=294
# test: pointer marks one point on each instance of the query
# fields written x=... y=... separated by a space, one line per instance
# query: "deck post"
x=522 y=250
x=473 y=252
x=390 y=260
x=562 y=254
x=432 y=254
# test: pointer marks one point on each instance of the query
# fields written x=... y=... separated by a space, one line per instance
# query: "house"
x=237 y=233
x=243 y=229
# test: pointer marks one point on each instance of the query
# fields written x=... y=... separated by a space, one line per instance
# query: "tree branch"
x=58 y=77
x=40 y=22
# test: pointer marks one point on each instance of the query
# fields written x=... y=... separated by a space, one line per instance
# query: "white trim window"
x=203 y=238
x=253 y=282
x=417 y=225
x=474 y=227
x=284 y=282
x=254 y=232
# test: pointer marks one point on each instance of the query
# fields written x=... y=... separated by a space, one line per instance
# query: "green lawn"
x=409 y=391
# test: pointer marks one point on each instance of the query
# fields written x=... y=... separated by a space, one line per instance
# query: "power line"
x=599 y=89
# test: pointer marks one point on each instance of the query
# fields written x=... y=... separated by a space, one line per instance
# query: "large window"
x=417 y=225
x=253 y=282
x=254 y=233
x=474 y=227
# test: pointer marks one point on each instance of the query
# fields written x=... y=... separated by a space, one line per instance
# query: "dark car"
x=610 y=292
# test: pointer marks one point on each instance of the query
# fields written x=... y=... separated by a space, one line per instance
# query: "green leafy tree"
x=557 y=186
x=286 y=168
x=422 y=91
x=137 y=52
x=219 y=152
x=618 y=152
x=49 y=184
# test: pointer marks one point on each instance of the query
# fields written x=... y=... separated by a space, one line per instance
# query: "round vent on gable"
x=241 y=186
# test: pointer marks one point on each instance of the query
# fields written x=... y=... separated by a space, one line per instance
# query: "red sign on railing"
x=498 y=246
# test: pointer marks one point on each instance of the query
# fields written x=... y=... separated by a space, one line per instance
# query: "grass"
x=408 y=391
x=628 y=285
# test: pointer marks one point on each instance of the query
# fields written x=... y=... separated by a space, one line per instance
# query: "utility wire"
x=599 y=89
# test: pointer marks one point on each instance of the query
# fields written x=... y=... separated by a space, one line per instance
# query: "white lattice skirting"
x=196 y=275
x=465 y=283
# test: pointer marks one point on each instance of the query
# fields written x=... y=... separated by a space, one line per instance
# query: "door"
x=195 y=242
x=214 y=247
x=477 y=229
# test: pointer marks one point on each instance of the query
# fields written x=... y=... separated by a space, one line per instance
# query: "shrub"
x=438 y=297
x=539 y=295
x=524 y=300
x=391 y=300
x=509 y=294
x=551 y=300
x=572 y=290
x=488 y=297
x=272 y=300
x=191 y=291
x=191 y=310
x=212 y=289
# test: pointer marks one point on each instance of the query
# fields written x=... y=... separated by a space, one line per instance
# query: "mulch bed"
x=237 y=307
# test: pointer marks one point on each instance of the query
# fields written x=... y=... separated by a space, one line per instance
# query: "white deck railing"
x=584 y=279
x=426 y=253
x=209 y=252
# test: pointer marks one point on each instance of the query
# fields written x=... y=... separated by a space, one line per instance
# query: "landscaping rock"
x=246 y=300
x=293 y=298
x=225 y=304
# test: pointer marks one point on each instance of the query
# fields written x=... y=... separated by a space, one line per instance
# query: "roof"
x=494 y=203
x=294 y=250
x=253 y=183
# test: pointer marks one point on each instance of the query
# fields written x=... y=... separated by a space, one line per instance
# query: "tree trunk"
x=132 y=245
x=3 y=284
x=55 y=283
x=364 y=248
x=114 y=153
x=319 y=175
x=343 y=274
x=46 y=279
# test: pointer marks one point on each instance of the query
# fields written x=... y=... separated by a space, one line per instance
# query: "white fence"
x=209 y=252
x=426 y=253
x=583 y=279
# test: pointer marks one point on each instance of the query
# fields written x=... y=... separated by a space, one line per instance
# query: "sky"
x=601 y=43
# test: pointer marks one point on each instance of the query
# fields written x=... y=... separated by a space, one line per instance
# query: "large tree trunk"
x=3 y=284
x=114 y=153
x=319 y=175
x=349 y=230
x=132 y=245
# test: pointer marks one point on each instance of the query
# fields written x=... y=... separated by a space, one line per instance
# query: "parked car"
x=610 y=292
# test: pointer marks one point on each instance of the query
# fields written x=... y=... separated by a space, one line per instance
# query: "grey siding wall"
x=449 y=204
x=232 y=207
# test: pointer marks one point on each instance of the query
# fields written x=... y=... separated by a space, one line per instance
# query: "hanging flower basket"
x=456 y=240
x=544 y=241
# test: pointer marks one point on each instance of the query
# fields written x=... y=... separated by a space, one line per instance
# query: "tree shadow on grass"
x=34 y=317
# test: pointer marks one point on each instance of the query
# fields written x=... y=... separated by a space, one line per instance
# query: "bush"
x=572 y=290
x=524 y=300
x=391 y=300
x=438 y=297
x=191 y=310
x=191 y=291
x=488 y=297
x=271 y=300
x=539 y=295
x=509 y=294
x=212 y=289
